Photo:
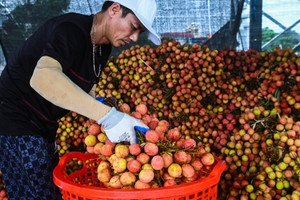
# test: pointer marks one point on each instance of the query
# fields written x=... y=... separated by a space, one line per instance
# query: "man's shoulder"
x=71 y=20
x=72 y=17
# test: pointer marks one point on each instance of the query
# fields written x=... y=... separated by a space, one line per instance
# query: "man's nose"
x=134 y=36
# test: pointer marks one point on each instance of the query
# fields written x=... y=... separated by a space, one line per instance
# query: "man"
x=56 y=71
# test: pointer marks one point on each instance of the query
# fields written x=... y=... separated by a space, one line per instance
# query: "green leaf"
x=277 y=94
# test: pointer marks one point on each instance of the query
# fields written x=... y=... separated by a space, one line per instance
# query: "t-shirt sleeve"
x=66 y=44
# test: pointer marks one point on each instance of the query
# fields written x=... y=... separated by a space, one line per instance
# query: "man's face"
x=122 y=31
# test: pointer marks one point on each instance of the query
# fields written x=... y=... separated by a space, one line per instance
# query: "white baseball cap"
x=145 y=11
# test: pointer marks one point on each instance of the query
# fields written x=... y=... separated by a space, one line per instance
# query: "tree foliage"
x=285 y=41
x=26 y=18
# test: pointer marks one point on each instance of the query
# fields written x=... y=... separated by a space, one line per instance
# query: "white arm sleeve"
x=51 y=83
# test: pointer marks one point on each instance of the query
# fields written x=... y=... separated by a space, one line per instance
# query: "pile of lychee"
x=71 y=132
x=230 y=100
x=163 y=157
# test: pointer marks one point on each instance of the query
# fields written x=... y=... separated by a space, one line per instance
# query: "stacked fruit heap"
x=70 y=135
x=162 y=157
x=242 y=106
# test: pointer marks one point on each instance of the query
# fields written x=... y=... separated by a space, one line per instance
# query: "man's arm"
x=52 y=84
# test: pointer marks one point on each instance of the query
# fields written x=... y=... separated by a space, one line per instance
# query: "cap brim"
x=152 y=35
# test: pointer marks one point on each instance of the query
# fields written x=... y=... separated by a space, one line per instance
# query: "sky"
x=287 y=12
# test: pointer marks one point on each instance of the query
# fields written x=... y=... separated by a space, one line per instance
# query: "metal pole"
x=255 y=24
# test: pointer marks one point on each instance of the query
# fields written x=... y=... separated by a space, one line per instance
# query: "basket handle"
x=219 y=168
x=59 y=169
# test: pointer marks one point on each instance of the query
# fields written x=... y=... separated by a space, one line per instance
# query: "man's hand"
x=119 y=126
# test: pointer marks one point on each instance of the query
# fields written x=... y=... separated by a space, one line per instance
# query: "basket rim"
x=161 y=192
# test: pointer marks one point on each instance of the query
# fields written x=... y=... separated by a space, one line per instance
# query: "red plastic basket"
x=84 y=184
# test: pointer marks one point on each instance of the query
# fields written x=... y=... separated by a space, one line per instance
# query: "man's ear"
x=114 y=8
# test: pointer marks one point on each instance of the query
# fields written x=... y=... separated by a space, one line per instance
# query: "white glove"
x=119 y=126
